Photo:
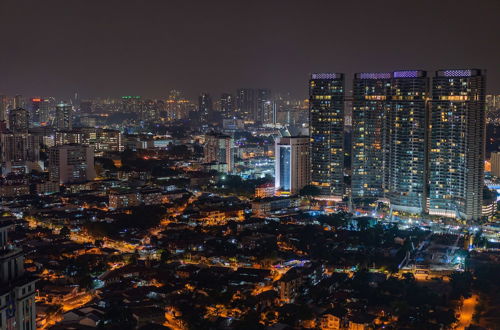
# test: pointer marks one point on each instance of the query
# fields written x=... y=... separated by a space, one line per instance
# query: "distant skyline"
x=125 y=47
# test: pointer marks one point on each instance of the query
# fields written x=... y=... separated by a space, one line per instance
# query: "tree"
x=65 y=231
x=165 y=256
x=461 y=284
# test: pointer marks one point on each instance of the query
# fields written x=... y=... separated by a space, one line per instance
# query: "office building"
x=369 y=154
x=407 y=139
x=292 y=171
x=264 y=114
x=246 y=104
x=4 y=101
x=132 y=104
x=18 y=101
x=64 y=116
x=39 y=111
x=227 y=106
x=326 y=124
x=19 y=120
x=71 y=163
x=457 y=144
x=17 y=288
x=205 y=108
x=495 y=164
x=219 y=148
x=102 y=140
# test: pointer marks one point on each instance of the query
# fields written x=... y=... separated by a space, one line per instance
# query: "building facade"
x=407 y=141
x=457 y=143
x=292 y=170
x=326 y=124
x=370 y=106
x=219 y=148
x=17 y=288
x=495 y=164
x=71 y=163
x=64 y=116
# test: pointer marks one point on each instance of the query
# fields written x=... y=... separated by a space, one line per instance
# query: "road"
x=466 y=312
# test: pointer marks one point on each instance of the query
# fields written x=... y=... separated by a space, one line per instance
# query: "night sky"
x=147 y=47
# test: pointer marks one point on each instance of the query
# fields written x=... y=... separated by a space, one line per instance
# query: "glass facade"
x=284 y=154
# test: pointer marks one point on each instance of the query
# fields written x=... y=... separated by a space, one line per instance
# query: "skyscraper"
x=18 y=120
x=370 y=105
x=227 y=106
x=39 y=111
x=18 y=101
x=3 y=107
x=17 y=288
x=264 y=114
x=326 y=124
x=495 y=164
x=205 y=108
x=407 y=125
x=292 y=171
x=64 y=116
x=246 y=103
x=457 y=143
x=219 y=148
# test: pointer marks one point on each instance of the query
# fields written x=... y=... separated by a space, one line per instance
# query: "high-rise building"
x=407 y=141
x=4 y=101
x=19 y=120
x=132 y=104
x=219 y=148
x=64 y=116
x=227 y=106
x=71 y=163
x=371 y=93
x=18 y=101
x=326 y=124
x=17 y=288
x=205 y=108
x=457 y=143
x=246 y=103
x=495 y=164
x=292 y=171
x=39 y=111
x=264 y=114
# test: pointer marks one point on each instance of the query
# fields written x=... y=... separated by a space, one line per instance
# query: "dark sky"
x=147 y=47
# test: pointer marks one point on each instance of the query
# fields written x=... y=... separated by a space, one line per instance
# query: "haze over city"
x=115 y=48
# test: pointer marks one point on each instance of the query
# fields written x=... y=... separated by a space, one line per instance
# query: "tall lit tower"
x=246 y=103
x=64 y=116
x=407 y=139
x=226 y=105
x=457 y=143
x=371 y=93
x=3 y=107
x=205 y=108
x=264 y=106
x=292 y=170
x=19 y=120
x=326 y=124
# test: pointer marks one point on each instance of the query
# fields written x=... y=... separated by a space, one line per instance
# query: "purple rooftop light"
x=374 y=75
x=325 y=76
x=457 y=73
x=406 y=74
